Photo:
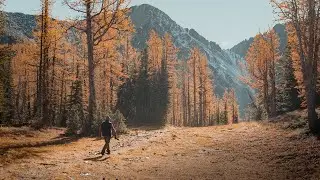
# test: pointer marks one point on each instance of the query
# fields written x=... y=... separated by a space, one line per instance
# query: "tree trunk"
x=92 y=94
x=174 y=104
x=52 y=89
x=45 y=68
x=311 y=70
x=38 y=104
x=189 y=102
x=313 y=121
x=195 y=117
x=266 y=92
x=184 y=101
x=273 y=112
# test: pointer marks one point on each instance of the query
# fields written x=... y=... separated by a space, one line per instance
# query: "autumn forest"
x=160 y=100
x=74 y=73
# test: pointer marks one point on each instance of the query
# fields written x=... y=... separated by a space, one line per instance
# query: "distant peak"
x=144 y=6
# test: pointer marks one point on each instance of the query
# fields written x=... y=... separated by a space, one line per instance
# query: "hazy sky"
x=226 y=22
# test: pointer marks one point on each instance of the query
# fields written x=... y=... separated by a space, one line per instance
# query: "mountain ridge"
x=242 y=47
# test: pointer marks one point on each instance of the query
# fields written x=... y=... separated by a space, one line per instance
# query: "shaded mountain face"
x=224 y=63
x=18 y=26
x=243 y=47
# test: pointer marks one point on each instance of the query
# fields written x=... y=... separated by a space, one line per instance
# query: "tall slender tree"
x=304 y=16
x=170 y=56
x=261 y=59
x=100 y=17
x=287 y=94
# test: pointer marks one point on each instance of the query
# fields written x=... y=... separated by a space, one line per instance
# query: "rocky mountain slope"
x=242 y=48
x=224 y=63
x=18 y=26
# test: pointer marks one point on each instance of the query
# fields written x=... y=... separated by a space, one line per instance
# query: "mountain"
x=224 y=63
x=243 y=47
x=18 y=26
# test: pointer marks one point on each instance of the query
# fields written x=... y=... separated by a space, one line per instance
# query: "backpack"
x=106 y=128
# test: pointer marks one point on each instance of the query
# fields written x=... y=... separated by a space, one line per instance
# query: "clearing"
x=241 y=151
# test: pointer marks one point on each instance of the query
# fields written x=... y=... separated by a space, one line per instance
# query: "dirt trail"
x=243 y=151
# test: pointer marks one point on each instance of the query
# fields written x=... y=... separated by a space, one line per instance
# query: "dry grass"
x=241 y=151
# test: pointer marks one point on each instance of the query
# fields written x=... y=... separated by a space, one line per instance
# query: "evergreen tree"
x=287 y=96
x=6 y=92
x=75 y=107
x=142 y=91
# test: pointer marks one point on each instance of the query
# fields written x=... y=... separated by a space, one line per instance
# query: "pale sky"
x=226 y=22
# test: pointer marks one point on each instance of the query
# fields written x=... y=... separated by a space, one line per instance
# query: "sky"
x=226 y=22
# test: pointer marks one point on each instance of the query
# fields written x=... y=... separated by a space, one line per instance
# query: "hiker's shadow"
x=96 y=159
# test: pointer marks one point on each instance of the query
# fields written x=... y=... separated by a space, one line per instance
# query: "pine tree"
x=75 y=108
x=158 y=79
x=142 y=91
x=6 y=81
x=287 y=96
x=6 y=90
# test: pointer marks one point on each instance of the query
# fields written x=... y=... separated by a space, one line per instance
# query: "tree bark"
x=311 y=70
x=195 y=117
x=92 y=94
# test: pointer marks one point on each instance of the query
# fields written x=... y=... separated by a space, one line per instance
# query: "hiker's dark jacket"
x=107 y=129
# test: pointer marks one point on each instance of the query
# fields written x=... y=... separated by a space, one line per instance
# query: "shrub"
x=119 y=122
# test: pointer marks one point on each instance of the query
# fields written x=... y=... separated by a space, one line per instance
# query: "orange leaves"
x=296 y=63
x=256 y=59
x=260 y=61
x=262 y=52
x=155 y=51
x=231 y=106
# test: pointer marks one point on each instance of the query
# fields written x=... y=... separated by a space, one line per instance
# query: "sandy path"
x=243 y=151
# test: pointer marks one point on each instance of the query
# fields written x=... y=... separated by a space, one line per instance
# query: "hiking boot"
x=102 y=153
x=108 y=151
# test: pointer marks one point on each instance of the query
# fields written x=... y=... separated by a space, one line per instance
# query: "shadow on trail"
x=55 y=141
x=15 y=155
x=96 y=159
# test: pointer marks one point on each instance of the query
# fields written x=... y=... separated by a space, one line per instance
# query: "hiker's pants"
x=107 y=144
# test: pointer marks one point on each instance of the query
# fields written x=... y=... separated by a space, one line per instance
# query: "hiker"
x=106 y=131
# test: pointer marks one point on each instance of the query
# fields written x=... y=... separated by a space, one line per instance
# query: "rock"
x=85 y=174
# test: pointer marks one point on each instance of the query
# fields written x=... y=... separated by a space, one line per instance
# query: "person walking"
x=106 y=131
